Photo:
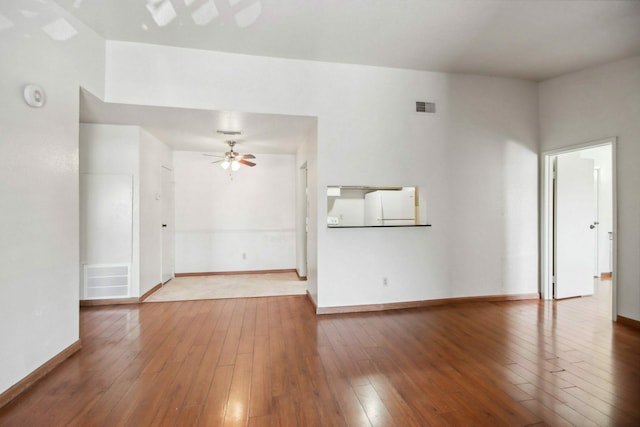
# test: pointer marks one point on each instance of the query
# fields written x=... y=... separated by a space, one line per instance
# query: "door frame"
x=302 y=221
x=163 y=191
x=546 y=218
x=596 y=181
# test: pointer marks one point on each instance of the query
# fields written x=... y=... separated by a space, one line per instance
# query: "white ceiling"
x=532 y=40
x=195 y=130
x=523 y=39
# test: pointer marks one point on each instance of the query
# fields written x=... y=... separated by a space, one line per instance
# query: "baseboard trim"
x=110 y=301
x=119 y=301
x=302 y=278
x=150 y=292
x=424 y=303
x=628 y=322
x=312 y=301
x=23 y=385
x=224 y=273
x=606 y=275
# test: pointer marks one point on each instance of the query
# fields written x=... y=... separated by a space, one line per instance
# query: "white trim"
x=546 y=230
x=546 y=218
x=614 y=229
x=172 y=215
x=596 y=181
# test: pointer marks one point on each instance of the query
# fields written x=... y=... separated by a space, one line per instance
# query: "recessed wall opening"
x=187 y=215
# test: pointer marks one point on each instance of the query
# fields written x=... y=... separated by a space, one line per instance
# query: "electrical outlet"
x=385 y=281
x=244 y=255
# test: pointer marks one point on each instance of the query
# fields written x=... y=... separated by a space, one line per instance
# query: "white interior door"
x=574 y=226
x=167 y=225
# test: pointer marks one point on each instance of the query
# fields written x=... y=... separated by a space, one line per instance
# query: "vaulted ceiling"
x=523 y=39
x=533 y=40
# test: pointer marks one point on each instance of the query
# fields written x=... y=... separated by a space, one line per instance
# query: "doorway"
x=578 y=221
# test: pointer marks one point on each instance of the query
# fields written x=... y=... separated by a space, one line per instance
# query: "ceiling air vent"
x=425 y=107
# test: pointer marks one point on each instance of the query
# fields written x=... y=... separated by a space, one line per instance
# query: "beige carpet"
x=229 y=286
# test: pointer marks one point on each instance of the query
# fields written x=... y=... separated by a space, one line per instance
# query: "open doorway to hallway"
x=578 y=246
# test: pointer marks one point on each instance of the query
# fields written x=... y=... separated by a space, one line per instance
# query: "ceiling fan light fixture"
x=233 y=159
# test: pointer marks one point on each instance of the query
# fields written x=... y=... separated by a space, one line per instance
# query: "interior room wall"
x=306 y=231
x=591 y=105
x=39 y=313
x=243 y=221
x=348 y=208
x=131 y=150
x=301 y=213
x=154 y=154
x=113 y=149
x=476 y=160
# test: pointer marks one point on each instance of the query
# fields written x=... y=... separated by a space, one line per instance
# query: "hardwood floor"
x=272 y=362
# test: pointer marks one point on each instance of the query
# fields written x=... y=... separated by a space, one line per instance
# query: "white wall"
x=307 y=236
x=239 y=222
x=39 y=185
x=591 y=105
x=301 y=219
x=348 y=208
x=114 y=149
x=130 y=150
x=476 y=159
x=154 y=154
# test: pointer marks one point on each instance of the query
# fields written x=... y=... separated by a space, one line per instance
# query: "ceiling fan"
x=233 y=158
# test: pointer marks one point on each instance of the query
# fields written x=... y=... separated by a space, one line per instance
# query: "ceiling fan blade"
x=218 y=161
x=248 y=156
x=211 y=155
x=245 y=162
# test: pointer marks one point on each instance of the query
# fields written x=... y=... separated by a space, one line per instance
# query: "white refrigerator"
x=390 y=207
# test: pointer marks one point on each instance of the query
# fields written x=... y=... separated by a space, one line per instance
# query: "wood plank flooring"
x=273 y=362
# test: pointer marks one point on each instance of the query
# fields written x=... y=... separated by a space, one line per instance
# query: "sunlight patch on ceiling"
x=248 y=15
x=204 y=14
x=28 y=13
x=162 y=12
x=60 y=30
